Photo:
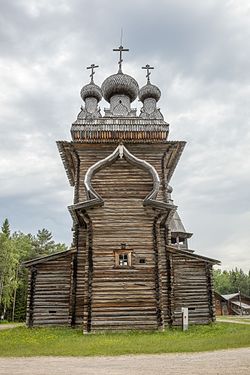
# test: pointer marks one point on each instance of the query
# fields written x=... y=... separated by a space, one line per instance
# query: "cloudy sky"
x=201 y=54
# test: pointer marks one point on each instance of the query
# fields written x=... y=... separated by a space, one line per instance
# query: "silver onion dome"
x=120 y=84
x=91 y=91
x=149 y=91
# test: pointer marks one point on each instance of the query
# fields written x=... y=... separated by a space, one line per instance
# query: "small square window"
x=173 y=240
x=123 y=258
x=142 y=260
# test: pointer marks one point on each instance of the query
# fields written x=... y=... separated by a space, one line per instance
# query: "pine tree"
x=43 y=243
x=6 y=228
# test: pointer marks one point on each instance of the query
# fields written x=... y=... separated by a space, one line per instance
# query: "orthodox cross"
x=120 y=49
x=148 y=67
x=92 y=67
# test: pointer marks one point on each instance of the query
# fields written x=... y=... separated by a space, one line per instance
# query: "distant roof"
x=229 y=296
x=241 y=304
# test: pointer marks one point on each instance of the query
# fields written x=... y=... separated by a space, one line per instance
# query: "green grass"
x=22 y=341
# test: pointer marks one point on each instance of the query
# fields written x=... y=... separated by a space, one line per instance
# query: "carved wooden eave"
x=47 y=258
x=67 y=153
x=191 y=254
x=172 y=156
x=94 y=199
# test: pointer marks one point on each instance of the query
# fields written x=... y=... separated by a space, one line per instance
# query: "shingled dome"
x=120 y=84
x=91 y=91
x=149 y=91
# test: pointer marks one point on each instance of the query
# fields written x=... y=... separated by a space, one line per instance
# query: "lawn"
x=22 y=341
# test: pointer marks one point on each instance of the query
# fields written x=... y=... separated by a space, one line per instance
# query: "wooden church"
x=129 y=266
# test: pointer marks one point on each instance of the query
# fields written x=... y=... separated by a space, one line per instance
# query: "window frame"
x=117 y=254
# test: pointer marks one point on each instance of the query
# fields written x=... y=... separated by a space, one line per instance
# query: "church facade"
x=130 y=266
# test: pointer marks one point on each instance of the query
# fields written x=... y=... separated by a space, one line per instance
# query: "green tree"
x=6 y=228
x=23 y=246
x=43 y=244
x=227 y=282
x=8 y=267
x=14 y=250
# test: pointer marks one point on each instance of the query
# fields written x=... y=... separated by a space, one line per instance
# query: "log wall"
x=192 y=289
x=86 y=288
x=147 y=295
x=122 y=298
x=50 y=293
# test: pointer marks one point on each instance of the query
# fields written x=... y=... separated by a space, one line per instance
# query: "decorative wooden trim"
x=171 y=158
x=94 y=199
x=105 y=130
x=121 y=151
x=77 y=177
x=66 y=151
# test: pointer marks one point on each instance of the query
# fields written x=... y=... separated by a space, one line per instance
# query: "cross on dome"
x=92 y=67
x=148 y=67
x=120 y=49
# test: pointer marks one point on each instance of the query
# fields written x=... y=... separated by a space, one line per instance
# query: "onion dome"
x=120 y=84
x=149 y=91
x=91 y=91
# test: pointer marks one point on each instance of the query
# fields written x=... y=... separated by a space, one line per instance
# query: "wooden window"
x=123 y=258
x=173 y=240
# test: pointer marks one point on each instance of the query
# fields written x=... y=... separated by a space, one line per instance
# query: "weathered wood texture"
x=126 y=294
x=50 y=293
x=86 y=289
x=192 y=289
x=123 y=298
x=142 y=297
x=115 y=129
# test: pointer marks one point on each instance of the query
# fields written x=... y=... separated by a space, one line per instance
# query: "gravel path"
x=232 y=321
x=232 y=361
x=10 y=325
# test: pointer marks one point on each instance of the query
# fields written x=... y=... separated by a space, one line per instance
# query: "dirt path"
x=10 y=325
x=232 y=321
x=232 y=361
